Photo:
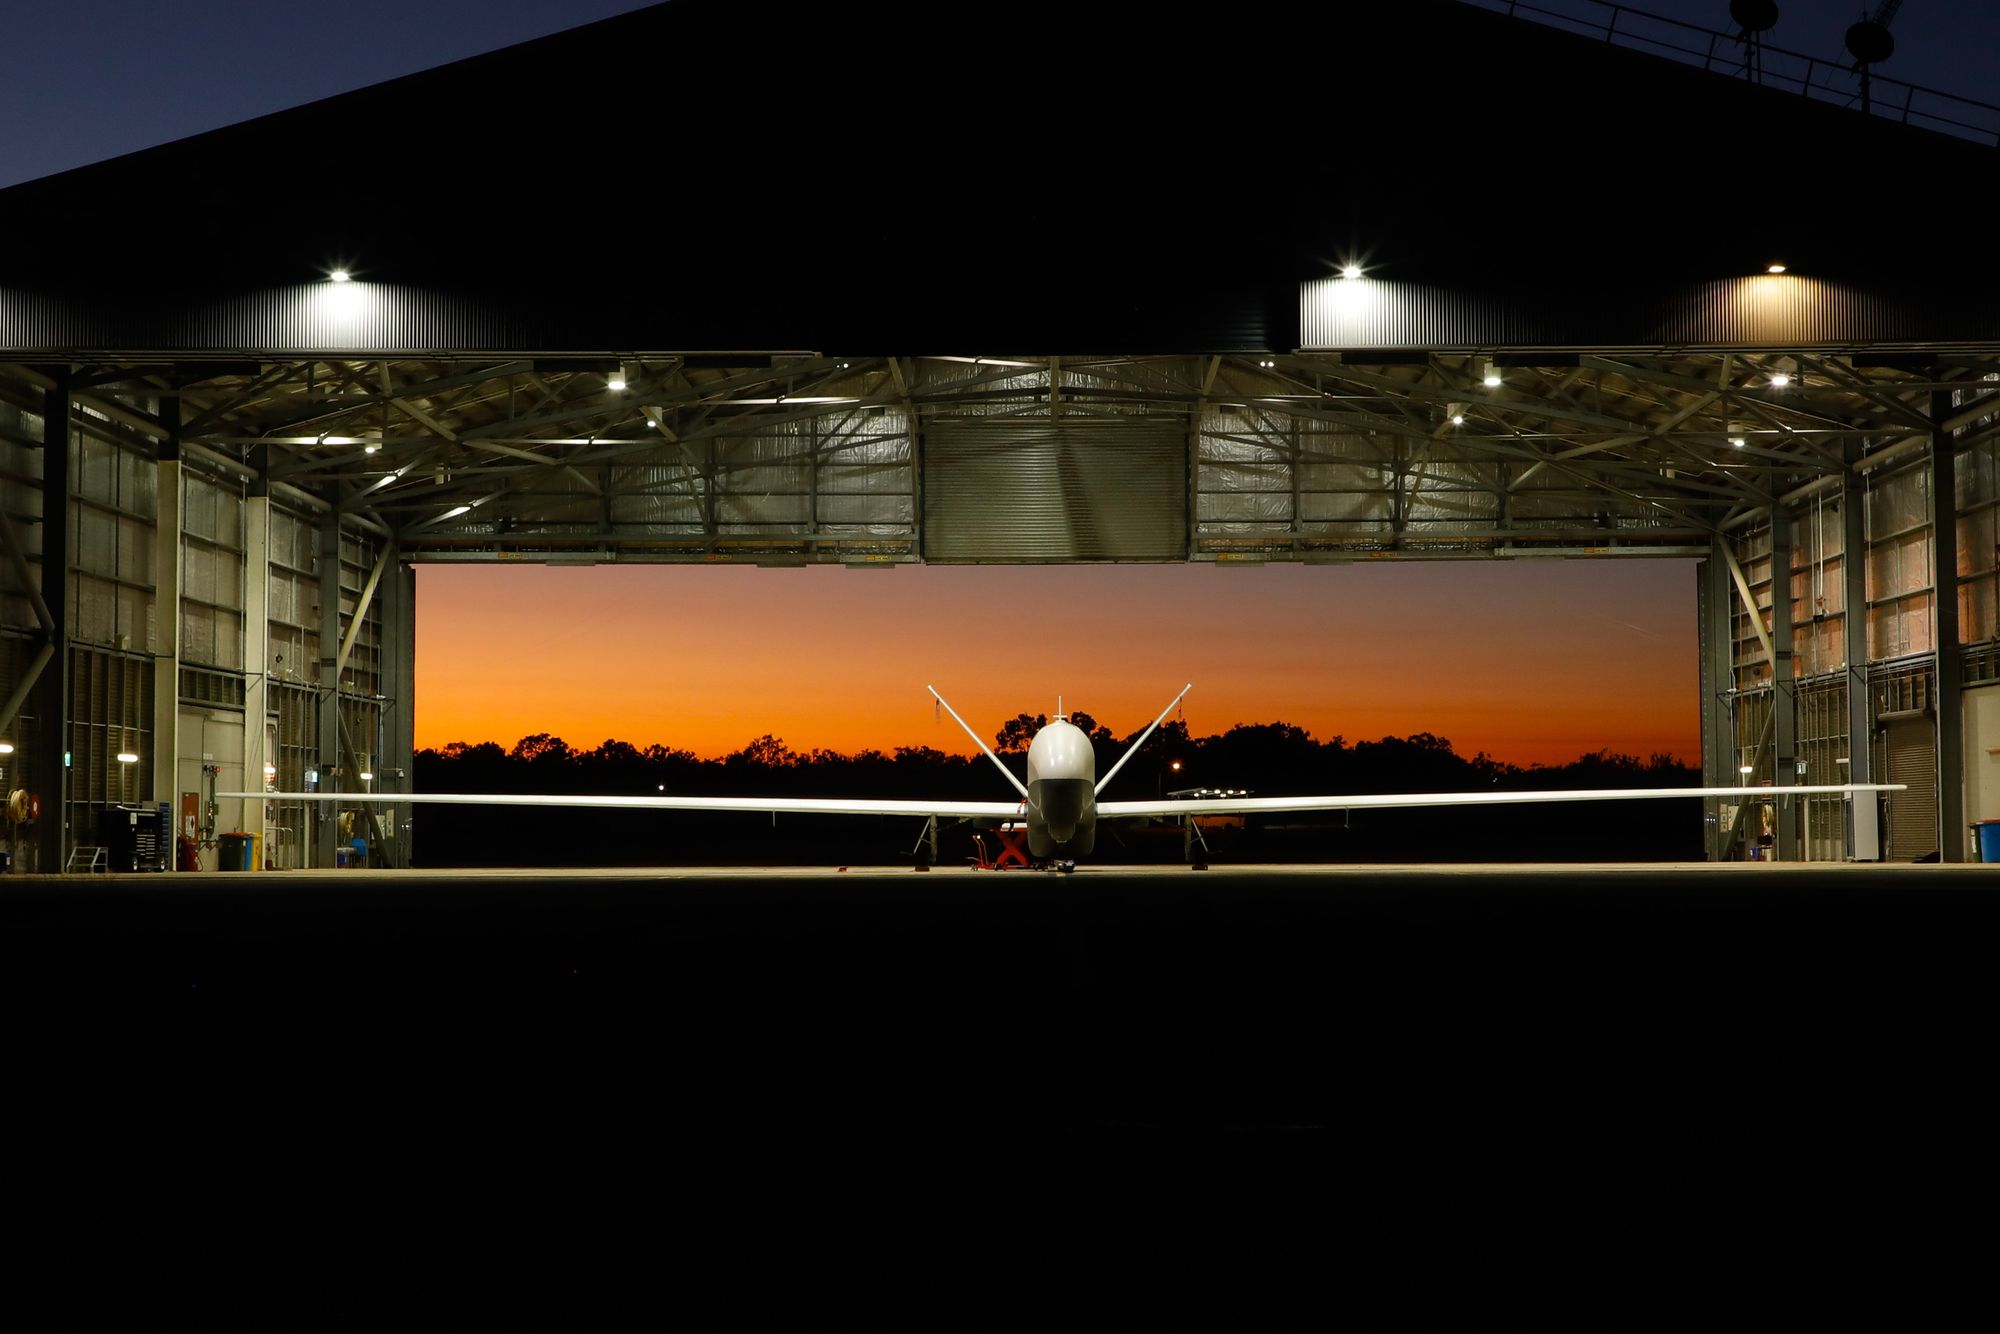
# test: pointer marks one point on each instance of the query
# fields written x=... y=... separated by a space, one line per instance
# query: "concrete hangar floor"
x=1411 y=1096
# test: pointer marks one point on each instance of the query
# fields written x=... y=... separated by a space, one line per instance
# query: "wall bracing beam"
x=361 y=606
x=1750 y=602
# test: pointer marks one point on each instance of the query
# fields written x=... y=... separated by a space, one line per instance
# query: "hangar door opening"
x=1007 y=489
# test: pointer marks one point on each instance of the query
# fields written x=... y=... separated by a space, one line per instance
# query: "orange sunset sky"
x=1531 y=661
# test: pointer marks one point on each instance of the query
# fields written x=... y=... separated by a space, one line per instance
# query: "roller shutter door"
x=1910 y=748
x=1076 y=489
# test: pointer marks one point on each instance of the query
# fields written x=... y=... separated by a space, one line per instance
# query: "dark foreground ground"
x=1383 y=1098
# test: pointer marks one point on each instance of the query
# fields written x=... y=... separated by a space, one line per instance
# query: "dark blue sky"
x=91 y=79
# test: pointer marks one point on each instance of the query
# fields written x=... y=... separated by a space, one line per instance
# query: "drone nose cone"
x=1061 y=750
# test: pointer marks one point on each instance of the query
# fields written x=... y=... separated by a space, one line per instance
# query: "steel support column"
x=1718 y=739
x=1944 y=631
x=166 y=644
x=1864 y=841
x=256 y=642
x=326 y=822
x=1784 y=693
x=51 y=774
x=394 y=767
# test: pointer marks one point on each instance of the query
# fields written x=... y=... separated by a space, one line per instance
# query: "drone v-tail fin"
x=1133 y=749
x=980 y=741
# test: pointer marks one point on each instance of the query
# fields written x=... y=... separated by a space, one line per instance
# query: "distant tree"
x=766 y=752
x=541 y=747
x=1018 y=732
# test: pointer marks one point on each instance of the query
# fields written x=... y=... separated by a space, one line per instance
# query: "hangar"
x=664 y=289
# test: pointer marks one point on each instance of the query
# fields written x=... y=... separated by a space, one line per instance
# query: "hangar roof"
x=913 y=177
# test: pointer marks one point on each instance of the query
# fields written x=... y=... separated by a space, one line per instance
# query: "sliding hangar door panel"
x=1082 y=489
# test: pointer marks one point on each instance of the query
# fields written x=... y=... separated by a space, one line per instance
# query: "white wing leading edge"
x=1114 y=810
x=969 y=810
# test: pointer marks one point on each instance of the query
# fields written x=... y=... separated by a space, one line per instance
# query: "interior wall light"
x=6 y=748
x=1747 y=769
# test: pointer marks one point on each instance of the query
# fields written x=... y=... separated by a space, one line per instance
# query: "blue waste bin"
x=233 y=852
x=1989 y=840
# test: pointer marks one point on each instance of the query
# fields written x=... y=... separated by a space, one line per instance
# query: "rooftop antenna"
x=1870 y=44
x=1753 y=18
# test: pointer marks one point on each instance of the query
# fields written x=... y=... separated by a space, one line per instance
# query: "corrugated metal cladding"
x=1776 y=310
x=1074 y=489
x=308 y=317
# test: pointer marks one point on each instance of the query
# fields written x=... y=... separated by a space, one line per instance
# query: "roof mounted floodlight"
x=1775 y=266
x=340 y=276
x=1350 y=271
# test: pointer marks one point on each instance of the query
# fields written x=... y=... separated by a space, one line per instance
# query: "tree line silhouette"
x=1268 y=759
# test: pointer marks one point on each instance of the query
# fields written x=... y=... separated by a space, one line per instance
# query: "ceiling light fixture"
x=127 y=757
x=1779 y=379
x=1350 y=272
x=1774 y=268
x=340 y=276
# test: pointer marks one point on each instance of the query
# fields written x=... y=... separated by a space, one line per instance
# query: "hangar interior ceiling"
x=780 y=459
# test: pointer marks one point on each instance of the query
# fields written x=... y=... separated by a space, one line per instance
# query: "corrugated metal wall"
x=1069 y=489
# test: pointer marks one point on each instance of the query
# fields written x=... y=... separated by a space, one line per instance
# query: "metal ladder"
x=93 y=859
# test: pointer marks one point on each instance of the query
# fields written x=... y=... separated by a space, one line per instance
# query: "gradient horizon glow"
x=1529 y=661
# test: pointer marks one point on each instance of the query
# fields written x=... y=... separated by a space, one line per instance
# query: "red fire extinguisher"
x=187 y=854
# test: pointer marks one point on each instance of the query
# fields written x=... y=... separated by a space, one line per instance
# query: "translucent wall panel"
x=211 y=572
x=1899 y=564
